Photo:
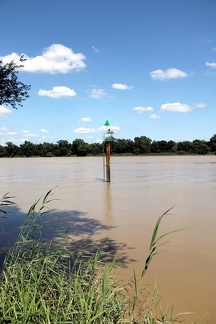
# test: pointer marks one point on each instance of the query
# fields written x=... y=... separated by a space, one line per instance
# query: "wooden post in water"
x=107 y=149
x=107 y=139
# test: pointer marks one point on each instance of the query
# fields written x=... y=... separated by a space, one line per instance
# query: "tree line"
x=138 y=146
x=13 y=92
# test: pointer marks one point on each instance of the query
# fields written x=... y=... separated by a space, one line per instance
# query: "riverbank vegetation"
x=140 y=145
x=43 y=282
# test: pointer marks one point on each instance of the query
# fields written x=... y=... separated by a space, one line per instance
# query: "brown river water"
x=122 y=215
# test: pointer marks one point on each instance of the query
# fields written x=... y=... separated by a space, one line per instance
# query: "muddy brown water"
x=122 y=214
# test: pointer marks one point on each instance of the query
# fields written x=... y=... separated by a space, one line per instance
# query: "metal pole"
x=108 y=162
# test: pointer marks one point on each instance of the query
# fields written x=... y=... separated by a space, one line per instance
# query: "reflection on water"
x=108 y=204
x=122 y=214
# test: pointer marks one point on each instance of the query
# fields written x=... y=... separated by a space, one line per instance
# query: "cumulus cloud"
x=58 y=92
x=56 y=58
x=4 y=111
x=200 y=105
x=43 y=130
x=211 y=64
x=97 y=93
x=141 y=109
x=176 y=107
x=85 y=130
x=11 y=133
x=86 y=119
x=168 y=74
x=154 y=116
x=121 y=86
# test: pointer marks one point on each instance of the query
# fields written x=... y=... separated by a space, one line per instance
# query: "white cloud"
x=28 y=134
x=95 y=49
x=43 y=130
x=168 y=74
x=58 y=92
x=56 y=58
x=176 y=107
x=112 y=128
x=121 y=86
x=97 y=93
x=4 y=111
x=200 y=105
x=86 y=119
x=12 y=136
x=154 y=116
x=84 y=130
x=141 y=109
x=212 y=64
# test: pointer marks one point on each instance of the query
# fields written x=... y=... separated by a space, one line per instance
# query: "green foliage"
x=12 y=91
x=138 y=284
x=143 y=144
x=212 y=143
x=42 y=282
x=140 y=145
x=5 y=202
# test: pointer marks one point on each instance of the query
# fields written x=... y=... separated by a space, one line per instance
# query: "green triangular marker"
x=107 y=123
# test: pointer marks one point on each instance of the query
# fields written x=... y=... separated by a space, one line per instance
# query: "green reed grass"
x=5 y=202
x=42 y=282
x=153 y=250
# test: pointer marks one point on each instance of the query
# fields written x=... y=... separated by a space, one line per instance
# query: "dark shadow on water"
x=110 y=249
x=73 y=228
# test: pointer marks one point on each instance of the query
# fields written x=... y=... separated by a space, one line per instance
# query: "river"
x=122 y=215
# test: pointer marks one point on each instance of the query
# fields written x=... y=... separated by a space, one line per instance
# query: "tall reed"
x=42 y=282
x=5 y=202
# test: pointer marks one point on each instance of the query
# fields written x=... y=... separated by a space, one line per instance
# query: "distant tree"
x=64 y=148
x=11 y=150
x=2 y=151
x=185 y=147
x=47 y=149
x=123 y=146
x=155 y=147
x=119 y=146
x=142 y=145
x=212 y=143
x=200 y=147
x=76 y=145
x=130 y=146
x=95 y=148
x=171 y=146
x=12 y=91
x=28 y=149
x=83 y=149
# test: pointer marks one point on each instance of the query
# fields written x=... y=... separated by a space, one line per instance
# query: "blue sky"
x=147 y=66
